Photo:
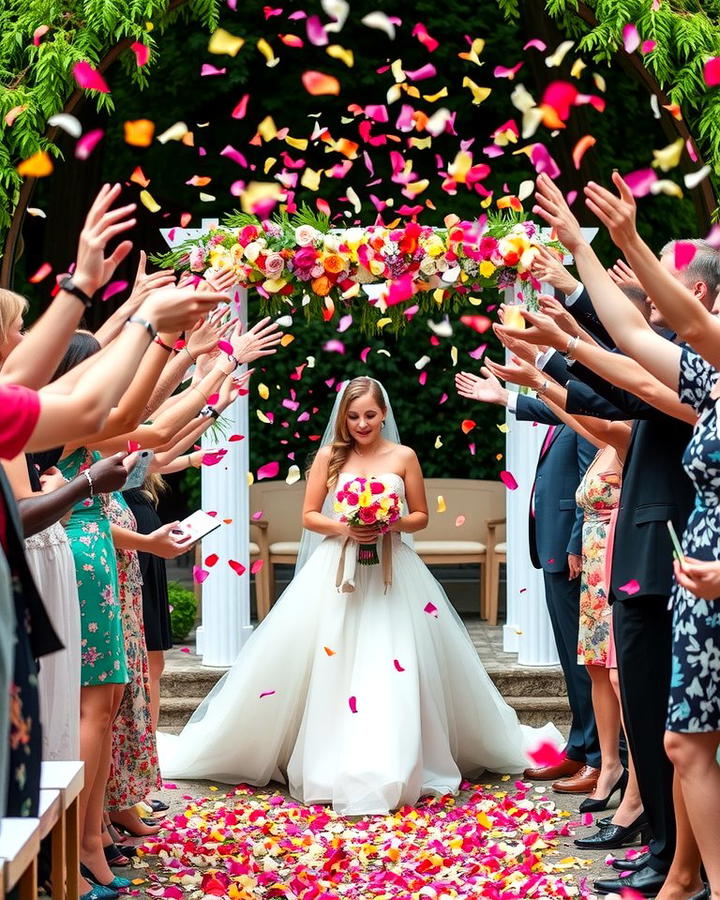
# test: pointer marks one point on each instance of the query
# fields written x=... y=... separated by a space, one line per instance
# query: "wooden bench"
x=458 y=535
x=19 y=849
x=68 y=779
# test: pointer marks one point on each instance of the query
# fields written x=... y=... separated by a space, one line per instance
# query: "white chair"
x=52 y=822
x=19 y=849
x=68 y=778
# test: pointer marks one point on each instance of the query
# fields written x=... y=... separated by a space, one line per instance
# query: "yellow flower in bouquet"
x=220 y=257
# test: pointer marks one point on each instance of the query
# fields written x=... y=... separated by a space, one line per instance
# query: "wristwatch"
x=209 y=411
x=67 y=284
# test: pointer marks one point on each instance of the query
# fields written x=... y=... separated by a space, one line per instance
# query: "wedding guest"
x=555 y=538
x=655 y=489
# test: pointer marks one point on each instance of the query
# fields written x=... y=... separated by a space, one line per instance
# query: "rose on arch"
x=247 y=234
x=333 y=264
x=274 y=265
x=305 y=235
x=321 y=285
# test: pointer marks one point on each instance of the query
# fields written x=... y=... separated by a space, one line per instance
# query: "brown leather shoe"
x=565 y=769
x=584 y=782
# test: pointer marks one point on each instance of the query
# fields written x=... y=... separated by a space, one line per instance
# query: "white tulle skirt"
x=365 y=700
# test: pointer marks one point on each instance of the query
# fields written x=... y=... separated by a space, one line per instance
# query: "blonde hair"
x=342 y=442
x=154 y=485
x=12 y=306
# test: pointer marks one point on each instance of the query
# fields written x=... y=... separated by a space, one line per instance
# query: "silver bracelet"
x=572 y=344
x=543 y=387
x=87 y=474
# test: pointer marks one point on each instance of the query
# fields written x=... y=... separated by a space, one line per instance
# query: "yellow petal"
x=147 y=200
x=577 y=68
x=293 y=475
x=267 y=52
x=297 y=143
x=286 y=339
x=338 y=52
x=669 y=156
x=478 y=93
x=263 y=418
x=267 y=129
x=264 y=391
x=222 y=41
x=441 y=507
x=311 y=179
x=438 y=445
x=431 y=98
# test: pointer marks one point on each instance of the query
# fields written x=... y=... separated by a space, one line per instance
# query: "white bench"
x=67 y=778
x=19 y=849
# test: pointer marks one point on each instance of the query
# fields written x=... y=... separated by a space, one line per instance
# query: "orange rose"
x=333 y=263
x=321 y=286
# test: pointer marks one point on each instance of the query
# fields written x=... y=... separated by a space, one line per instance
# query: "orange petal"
x=582 y=146
x=36 y=166
x=318 y=83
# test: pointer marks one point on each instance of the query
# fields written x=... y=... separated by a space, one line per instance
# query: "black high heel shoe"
x=612 y=837
x=600 y=804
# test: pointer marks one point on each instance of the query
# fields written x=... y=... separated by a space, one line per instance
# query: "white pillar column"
x=225 y=594
x=527 y=632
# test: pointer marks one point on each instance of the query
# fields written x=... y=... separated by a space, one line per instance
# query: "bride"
x=361 y=688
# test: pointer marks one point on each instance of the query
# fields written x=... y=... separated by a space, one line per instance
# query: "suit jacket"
x=556 y=527
x=655 y=488
x=584 y=311
x=592 y=402
x=42 y=636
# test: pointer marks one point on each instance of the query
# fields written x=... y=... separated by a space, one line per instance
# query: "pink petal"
x=430 y=609
x=199 y=574
x=537 y=44
x=648 y=46
x=241 y=108
x=641 y=181
x=207 y=69
x=684 y=253
x=397 y=665
x=543 y=162
x=316 y=31
x=142 y=53
x=504 y=72
x=38 y=34
x=226 y=347
x=352 y=703
x=256 y=566
x=334 y=346
x=269 y=470
x=711 y=71
x=630 y=588
x=87 y=143
x=89 y=79
x=267 y=694
x=546 y=754
x=114 y=288
x=426 y=71
x=236 y=566
x=344 y=323
x=235 y=155
x=508 y=479
x=631 y=38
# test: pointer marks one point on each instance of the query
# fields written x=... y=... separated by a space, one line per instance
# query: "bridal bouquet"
x=366 y=501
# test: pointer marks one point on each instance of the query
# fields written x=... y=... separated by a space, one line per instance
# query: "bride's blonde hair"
x=342 y=443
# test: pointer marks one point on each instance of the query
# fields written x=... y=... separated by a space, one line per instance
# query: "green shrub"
x=183 y=609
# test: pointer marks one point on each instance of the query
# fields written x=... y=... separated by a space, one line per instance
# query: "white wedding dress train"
x=365 y=700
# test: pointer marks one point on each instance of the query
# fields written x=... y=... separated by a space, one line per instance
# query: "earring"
x=383 y=423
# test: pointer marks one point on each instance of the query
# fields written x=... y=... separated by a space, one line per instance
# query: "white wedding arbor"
x=225 y=490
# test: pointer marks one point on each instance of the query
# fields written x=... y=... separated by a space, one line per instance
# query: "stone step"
x=196 y=681
x=535 y=711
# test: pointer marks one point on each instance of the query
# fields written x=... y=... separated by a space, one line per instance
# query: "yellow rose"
x=377 y=267
x=434 y=246
x=487 y=268
x=219 y=258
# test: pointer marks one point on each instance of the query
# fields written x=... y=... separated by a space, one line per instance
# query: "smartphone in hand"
x=138 y=473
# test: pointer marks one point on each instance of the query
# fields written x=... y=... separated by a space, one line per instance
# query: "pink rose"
x=376 y=487
x=247 y=234
x=274 y=265
x=197 y=259
x=305 y=258
x=368 y=515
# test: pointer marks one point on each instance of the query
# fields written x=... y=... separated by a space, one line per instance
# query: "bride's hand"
x=364 y=534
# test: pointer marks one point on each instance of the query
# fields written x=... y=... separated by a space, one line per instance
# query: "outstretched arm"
x=626 y=324
x=681 y=310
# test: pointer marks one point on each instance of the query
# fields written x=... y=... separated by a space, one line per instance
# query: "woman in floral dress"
x=135 y=772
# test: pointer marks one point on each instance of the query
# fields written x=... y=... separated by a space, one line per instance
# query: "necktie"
x=548 y=439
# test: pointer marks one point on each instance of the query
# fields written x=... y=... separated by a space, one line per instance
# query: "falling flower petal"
x=711 y=71
x=684 y=254
x=222 y=41
x=264 y=694
x=631 y=38
x=115 y=287
x=269 y=470
x=508 y=479
x=319 y=84
x=87 y=143
x=381 y=21
x=640 y=181
x=546 y=754
x=352 y=703
x=581 y=148
x=430 y=608
x=236 y=566
x=142 y=53
x=139 y=133
x=293 y=475
x=631 y=587
x=36 y=166
x=87 y=78
x=43 y=272
x=68 y=123
x=397 y=665
x=199 y=574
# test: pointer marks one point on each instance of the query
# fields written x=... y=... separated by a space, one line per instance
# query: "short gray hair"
x=704 y=266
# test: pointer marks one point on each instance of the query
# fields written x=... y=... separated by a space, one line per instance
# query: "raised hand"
x=178 y=308
x=221 y=279
x=145 y=281
x=523 y=349
x=261 y=340
x=486 y=389
x=563 y=319
x=550 y=205
x=92 y=268
x=205 y=336
x=548 y=268
x=109 y=474
x=517 y=371
x=615 y=211
x=541 y=330
x=622 y=274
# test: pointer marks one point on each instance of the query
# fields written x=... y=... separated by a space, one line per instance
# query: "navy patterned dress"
x=694 y=704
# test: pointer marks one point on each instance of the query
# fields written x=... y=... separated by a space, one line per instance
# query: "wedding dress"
x=365 y=700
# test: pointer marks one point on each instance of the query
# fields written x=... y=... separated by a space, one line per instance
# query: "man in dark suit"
x=555 y=538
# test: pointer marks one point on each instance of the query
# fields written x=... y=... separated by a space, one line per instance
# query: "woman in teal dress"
x=104 y=666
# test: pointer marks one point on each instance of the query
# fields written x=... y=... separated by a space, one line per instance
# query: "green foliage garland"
x=36 y=74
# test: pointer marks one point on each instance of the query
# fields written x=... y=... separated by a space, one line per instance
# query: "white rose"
x=305 y=235
x=332 y=243
x=252 y=251
x=428 y=266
